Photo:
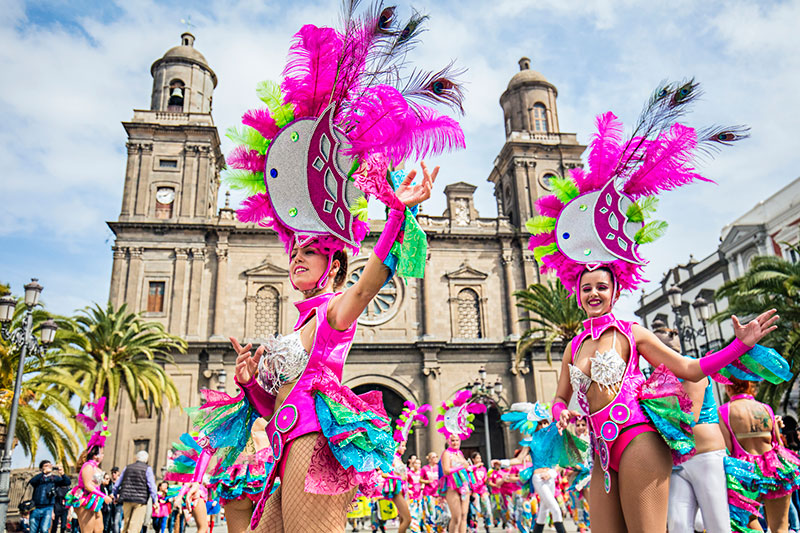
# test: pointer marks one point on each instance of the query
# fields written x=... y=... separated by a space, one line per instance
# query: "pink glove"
x=391 y=230
x=714 y=362
x=556 y=410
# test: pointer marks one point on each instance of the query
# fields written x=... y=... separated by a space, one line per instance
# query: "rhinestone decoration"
x=609 y=430
x=286 y=418
x=273 y=172
x=587 y=252
x=620 y=413
x=295 y=136
x=583 y=207
x=566 y=236
x=293 y=212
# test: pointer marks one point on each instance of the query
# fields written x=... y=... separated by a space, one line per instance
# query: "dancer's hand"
x=412 y=195
x=246 y=363
x=564 y=418
x=757 y=329
x=106 y=499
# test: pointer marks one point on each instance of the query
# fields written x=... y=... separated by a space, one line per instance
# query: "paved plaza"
x=391 y=528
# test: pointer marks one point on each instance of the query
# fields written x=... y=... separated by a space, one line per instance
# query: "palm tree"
x=553 y=312
x=111 y=350
x=771 y=282
x=45 y=414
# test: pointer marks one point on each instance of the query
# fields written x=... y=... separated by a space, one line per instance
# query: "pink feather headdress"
x=344 y=113
x=599 y=218
x=455 y=416
x=95 y=422
x=405 y=422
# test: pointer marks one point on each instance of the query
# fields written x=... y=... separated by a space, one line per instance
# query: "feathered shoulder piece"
x=525 y=416
x=455 y=416
x=348 y=109
x=186 y=453
x=95 y=421
x=405 y=422
x=600 y=217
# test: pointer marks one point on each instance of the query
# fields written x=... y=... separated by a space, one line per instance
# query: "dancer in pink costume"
x=86 y=497
x=395 y=486
x=349 y=109
x=429 y=478
x=588 y=233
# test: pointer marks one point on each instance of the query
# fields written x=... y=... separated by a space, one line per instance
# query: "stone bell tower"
x=535 y=149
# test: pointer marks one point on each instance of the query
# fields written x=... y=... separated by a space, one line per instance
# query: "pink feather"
x=543 y=239
x=666 y=164
x=243 y=158
x=606 y=148
x=427 y=132
x=549 y=206
x=311 y=70
x=261 y=120
x=376 y=119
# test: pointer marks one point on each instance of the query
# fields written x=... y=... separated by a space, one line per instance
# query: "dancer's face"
x=454 y=442
x=597 y=295
x=307 y=265
x=417 y=464
x=433 y=458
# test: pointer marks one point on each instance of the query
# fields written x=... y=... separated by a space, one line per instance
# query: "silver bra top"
x=283 y=361
x=607 y=370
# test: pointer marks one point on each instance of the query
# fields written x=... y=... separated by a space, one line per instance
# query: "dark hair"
x=45 y=462
x=740 y=386
x=474 y=454
x=789 y=432
x=87 y=455
x=115 y=470
x=341 y=274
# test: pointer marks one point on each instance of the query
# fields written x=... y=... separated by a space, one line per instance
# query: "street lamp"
x=674 y=296
x=487 y=394
x=686 y=331
x=23 y=339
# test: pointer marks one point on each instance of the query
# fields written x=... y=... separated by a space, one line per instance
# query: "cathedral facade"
x=182 y=261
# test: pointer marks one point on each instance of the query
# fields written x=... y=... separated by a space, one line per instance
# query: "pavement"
x=390 y=528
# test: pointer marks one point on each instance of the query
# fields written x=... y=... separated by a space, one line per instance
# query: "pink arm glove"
x=199 y=471
x=714 y=362
x=258 y=397
x=556 y=410
x=97 y=492
x=391 y=229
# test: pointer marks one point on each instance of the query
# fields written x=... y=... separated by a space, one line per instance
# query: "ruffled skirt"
x=245 y=479
x=79 y=498
x=669 y=409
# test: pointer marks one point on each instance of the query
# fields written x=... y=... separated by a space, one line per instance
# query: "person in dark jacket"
x=44 y=496
x=60 y=509
x=135 y=486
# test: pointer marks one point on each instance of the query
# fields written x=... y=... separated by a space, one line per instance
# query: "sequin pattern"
x=283 y=361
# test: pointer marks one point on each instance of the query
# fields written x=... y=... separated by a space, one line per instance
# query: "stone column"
x=133 y=289
x=427 y=302
x=131 y=177
x=195 y=292
x=219 y=300
x=178 y=307
x=118 y=268
x=190 y=182
x=433 y=396
x=203 y=184
x=518 y=371
x=145 y=169
x=511 y=302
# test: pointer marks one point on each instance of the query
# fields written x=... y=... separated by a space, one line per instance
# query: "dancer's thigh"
x=776 y=511
x=682 y=505
x=644 y=472
x=271 y=519
x=238 y=514
x=605 y=507
x=711 y=490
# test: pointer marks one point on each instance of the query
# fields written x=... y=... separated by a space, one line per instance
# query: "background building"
x=184 y=262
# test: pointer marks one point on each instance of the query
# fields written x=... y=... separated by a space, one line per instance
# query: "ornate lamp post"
x=22 y=338
x=488 y=395
x=685 y=331
x=703 y=313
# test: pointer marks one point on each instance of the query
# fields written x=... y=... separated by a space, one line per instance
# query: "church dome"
x=526 y=76
x=184 y=53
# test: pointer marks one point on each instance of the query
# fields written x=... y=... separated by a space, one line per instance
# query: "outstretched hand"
x=412 y=195
x=756 y=329
x=246 y=363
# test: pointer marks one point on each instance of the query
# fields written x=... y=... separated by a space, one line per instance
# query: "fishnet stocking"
x=237 y=515
x=644 y=472
x=290 y=509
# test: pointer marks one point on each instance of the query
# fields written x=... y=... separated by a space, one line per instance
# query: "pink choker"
x=597 y=325
x=742 y=397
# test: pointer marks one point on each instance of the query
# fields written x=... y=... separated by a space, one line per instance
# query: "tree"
x=111 y=350
x=555 y=315
x=45 y=414
x=771 y=282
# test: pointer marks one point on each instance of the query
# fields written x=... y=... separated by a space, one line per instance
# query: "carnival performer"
x=86 y=497
x=429 y=478
x=454 y=484
x=699 y=482
x=589 y=232
x=752 y=436
x=330 y=132
x=480 y=493
x=579 y=477
x=495 y=480
x=395 y=485
x=415 y=494
x=189 y=465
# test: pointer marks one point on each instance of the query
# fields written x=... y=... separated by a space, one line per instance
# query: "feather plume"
x=244 y=180
x=651 y=231
x=311 y=70
x=258 y=209
x=541 y=251
x=377 y=119
x=261 y=120
x=359 y=208
x=245 y=159
x=564 y=189
x=542 y=239
x=248 y=137
x=540 y=224
x=427 y=132
x=711 y=140
x=436 y=87
x=639 y=210
x=605 y=151
x=270 y=93
x=549 y=206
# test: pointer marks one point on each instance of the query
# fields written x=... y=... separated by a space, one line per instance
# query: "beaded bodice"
x=283 y=361
x=607 y=370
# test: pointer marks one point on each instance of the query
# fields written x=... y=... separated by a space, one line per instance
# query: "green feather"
x=565 y=189
x=249 y=137
x=638 y=211
x=541 y=251
x=244 y=180
x=539 y=224
x=270 y=93
x=359 y=208
x=651 y=231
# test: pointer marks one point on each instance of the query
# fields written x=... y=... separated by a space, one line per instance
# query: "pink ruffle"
x=326 y=476
x=326 y=383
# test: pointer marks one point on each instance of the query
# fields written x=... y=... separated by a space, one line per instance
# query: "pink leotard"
x=430 y=473
x=479 y=486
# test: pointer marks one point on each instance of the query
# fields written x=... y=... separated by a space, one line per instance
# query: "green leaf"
x=651 y=231
x=247 y=136
x=540 y=224
x=641 y=209
x=270 y=93
x=541 y=251
x=359 y=208
x=565 y=189
x=244 y=180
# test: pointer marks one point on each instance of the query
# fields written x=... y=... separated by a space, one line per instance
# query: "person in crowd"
x=116 y=507
x=135 y=486
x=45 y=492
x=161 y=508
x=480 y=494
x=107 y=488
x=455 y=484
x=60 y=509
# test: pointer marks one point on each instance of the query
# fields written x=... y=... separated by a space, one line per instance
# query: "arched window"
x=539 y=119
x=267 y=312
x=469 y=315
x=176 y=94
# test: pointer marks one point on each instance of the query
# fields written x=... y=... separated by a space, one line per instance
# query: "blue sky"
x=72 y=71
